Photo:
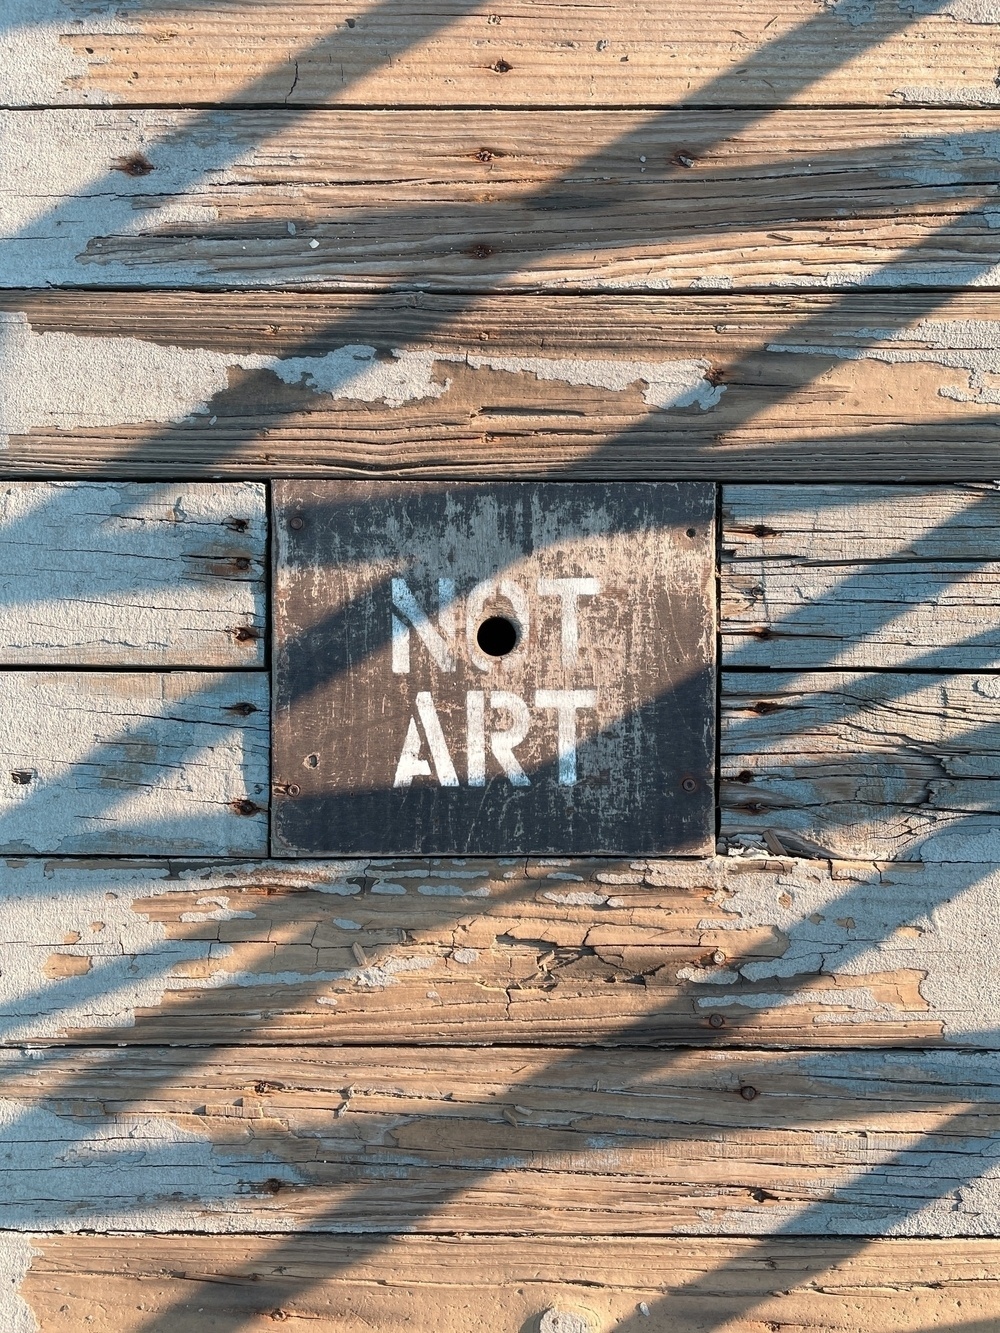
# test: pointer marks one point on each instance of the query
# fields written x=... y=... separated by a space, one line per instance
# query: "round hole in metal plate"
x=497 y=636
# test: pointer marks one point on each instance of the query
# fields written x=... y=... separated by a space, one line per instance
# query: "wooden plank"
x=400 y=729
x=874 y=576
x=466 y=200
x=749 y=387
x=389 y=1139
x=460 y=1284
x=129 y=574
x=728 y=951
x=115 y=763
x=866 y=766
x=275 y=52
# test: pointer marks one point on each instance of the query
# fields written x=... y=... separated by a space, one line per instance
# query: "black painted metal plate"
x=406 y=722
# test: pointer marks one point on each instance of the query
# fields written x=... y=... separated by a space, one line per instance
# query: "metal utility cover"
x=395 y=732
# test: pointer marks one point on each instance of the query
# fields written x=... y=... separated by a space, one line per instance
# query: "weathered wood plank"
x=825 y=576
x=877 y=52
x=866 y=766
x=107 y=763
x=578 y=952
x=388 y=1139
x=461 y=1284
x=442 y=386
x=131 y=575
x=448 y=200
x=596 y=722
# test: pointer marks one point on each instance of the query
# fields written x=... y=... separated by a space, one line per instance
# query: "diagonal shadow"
x=286 y=1243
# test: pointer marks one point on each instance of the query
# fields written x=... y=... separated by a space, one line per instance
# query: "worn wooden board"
x=874 y=576
x=572 y=952
x=862 y=765
x=399 y=727
x=93 y=574
x=461 y=1284
x=127 y=762
x=853 y=386
x=473 y=200
x=389 y=1139
x=863 y=51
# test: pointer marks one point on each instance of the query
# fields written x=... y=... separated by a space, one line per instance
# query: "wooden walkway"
x=754 y=245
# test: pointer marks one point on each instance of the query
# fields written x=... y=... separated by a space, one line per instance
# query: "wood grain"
x=835 y=576
x=867 y=766
x=737 y=387
x=570 y=952
x=594 y=734
x=114 y=763
x=388 y=1139
x=451 y=53
x=461 y=1284
x=134 y=575
x=472 y=201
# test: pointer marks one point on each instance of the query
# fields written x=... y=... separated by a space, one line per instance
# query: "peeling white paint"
x=383 y=974
x=708 y=976
x=100 y=1173
x=969 y=346
x=858 y=999
x=890 y=275
x=667 y=383
x=712 y=283
x=985 y=12
x=937 y=94
x=855 y=12
x=133 y=963
x=38 y=65
x=465 y=956
x=16 y=1253
x=61 y=381
x=65 y=381
x=445 y=891
x=578 y=898
x=917 y=920
x=223 y=912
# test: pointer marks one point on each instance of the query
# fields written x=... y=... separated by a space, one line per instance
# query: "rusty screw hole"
x=136 y=164
x=245 y=807
x=502 y=67
x=692 y=532
x=245 y=633
x=244 y=709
